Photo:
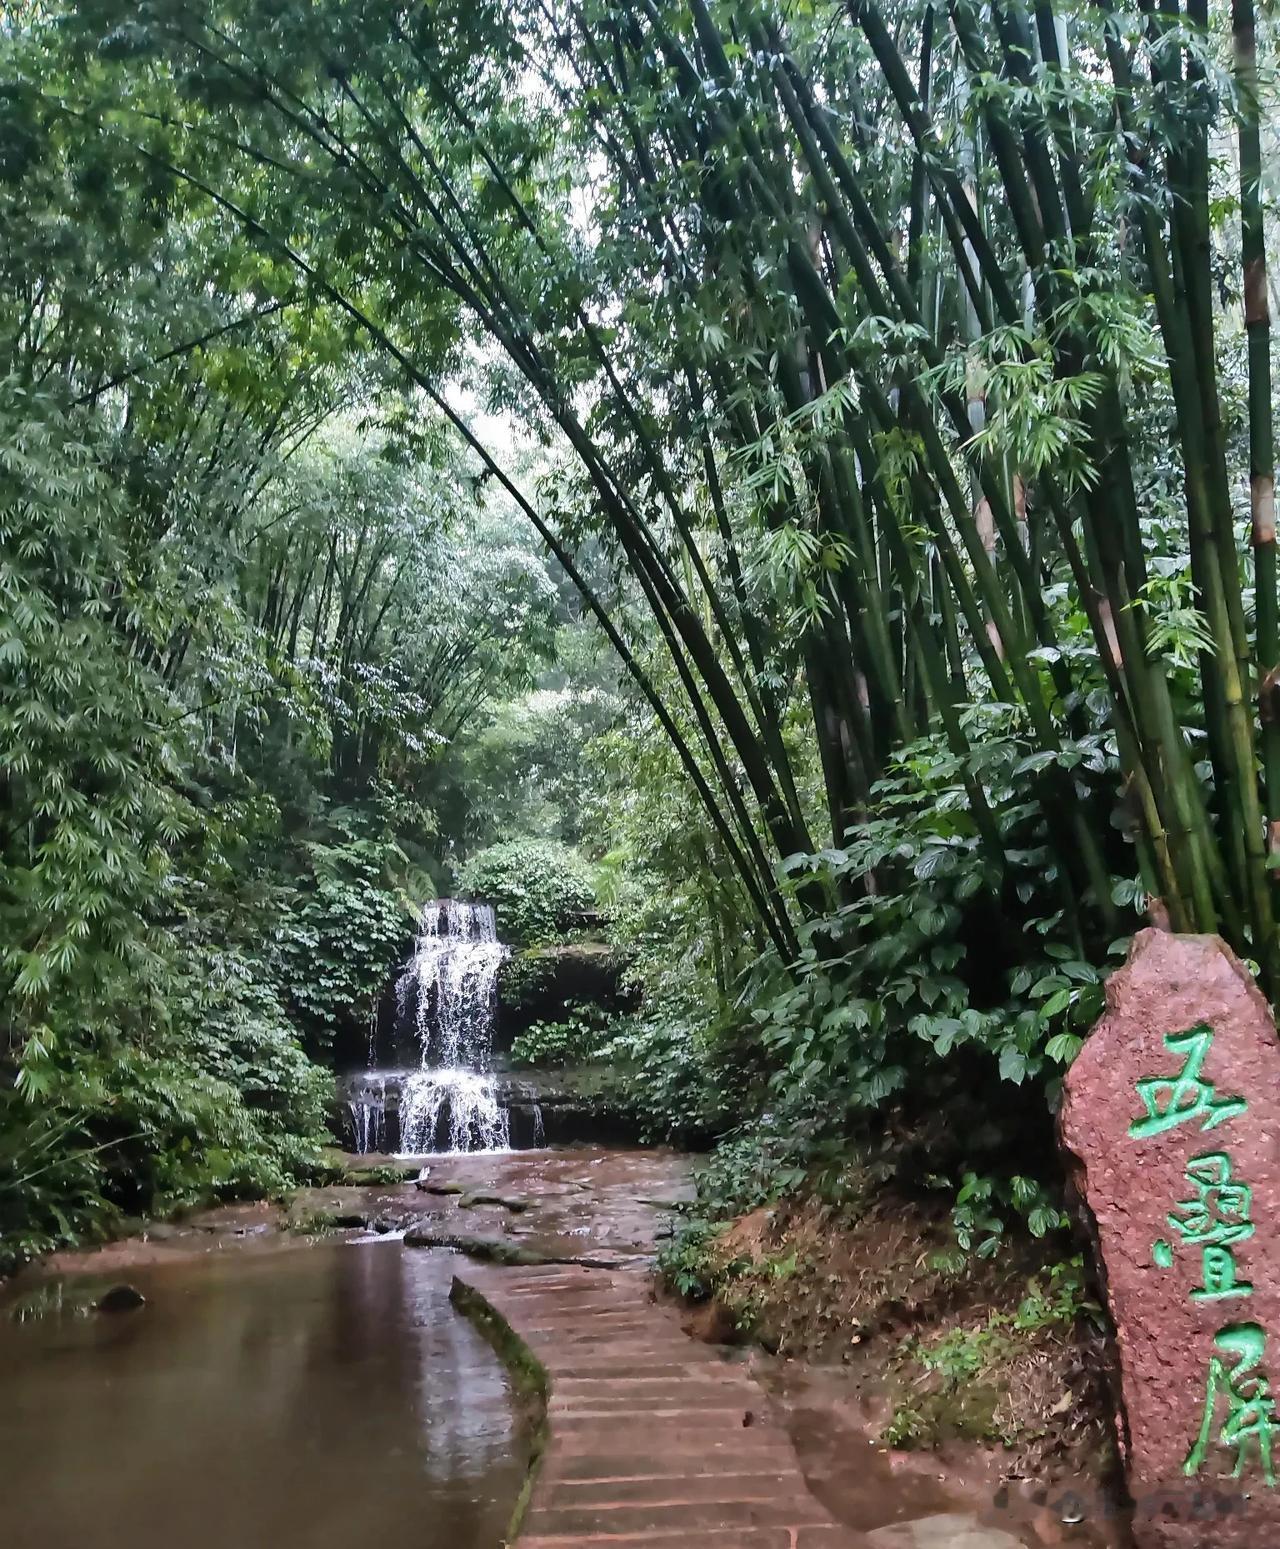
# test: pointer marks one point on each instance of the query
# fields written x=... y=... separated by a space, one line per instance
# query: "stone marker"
x=1171 y=1114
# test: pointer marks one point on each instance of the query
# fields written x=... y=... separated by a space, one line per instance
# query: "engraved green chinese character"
x=1250 y=1423
x=1218 y=1266
x=1215 y=1218
x=1173 y=1100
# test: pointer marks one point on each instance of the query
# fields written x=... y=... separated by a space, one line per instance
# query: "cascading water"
x=465 y=1099
x=452 y=978
x=447 y=994
x=367 y=1106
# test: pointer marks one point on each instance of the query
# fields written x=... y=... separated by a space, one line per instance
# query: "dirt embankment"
x=990 y=1374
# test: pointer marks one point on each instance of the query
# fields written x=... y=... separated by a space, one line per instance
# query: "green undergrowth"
x=539 y=888
x=957 y=1382
x=840 y=1262
x=581 y=1036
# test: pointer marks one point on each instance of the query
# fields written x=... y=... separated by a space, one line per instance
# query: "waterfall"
x=453 y=977
x=467 y=1098
x=434 y=1085
x=447 y=993
x=367 y=1105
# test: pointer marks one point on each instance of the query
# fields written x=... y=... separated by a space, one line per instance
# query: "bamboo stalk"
x=1257 y=321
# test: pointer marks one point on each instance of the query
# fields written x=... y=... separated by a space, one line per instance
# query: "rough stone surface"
x=654 y=1442
x=1162 y=1134
x=951 y=1530
x=480 y=1197
x=498 y=1250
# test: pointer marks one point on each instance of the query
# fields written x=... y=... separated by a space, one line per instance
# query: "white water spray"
x=449 y=986
x=466 y=1099
x=446 y=1003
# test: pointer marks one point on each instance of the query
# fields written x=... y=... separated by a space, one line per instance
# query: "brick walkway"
x=655 y=1441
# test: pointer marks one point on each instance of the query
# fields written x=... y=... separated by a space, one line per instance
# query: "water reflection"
x=307 y=1399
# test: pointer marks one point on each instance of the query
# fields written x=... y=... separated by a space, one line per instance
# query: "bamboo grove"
x=879 y=347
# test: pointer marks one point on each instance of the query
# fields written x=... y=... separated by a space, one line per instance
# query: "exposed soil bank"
x=906 y=1378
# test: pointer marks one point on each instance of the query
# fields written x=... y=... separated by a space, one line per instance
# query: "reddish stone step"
x=749 y=1510
x=721 y=1538
x=655 y=1442
x=667 y=1489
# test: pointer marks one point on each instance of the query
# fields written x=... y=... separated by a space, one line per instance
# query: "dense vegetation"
x=817 y=461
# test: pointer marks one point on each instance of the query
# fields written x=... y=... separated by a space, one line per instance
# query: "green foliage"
x=685 y=1260
x=538 y=888
x=581 y=1037
x=959 y=1371
x=672 y=1083
x=984 y=1204
x=1059 y=1296
x=746 y=1170
x=910 y=993
x=227 y=664
x=524 y=977
x=221 y=1103
x=955 y=1377
x=87 y=761
x=521 y=770
x=348 y=925
x=919 y=544
x=906 y=1428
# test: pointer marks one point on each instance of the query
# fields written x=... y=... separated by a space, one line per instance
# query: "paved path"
x=656 y=1441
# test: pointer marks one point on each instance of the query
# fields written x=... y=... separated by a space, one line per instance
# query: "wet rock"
x=496 y=1250
x=317 y=1219
x=329 y=1209
x=505 y=1201
x=536 y=983
x=499 y=1250
x=120 y=1298
x=673 y=1201
x=1169 y=1115
x=358 y=1176
x=951 y=1530
x=572 y=1105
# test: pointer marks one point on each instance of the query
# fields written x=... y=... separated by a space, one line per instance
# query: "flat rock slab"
x=656 y=1442
x=947 y=1531
x=496 y=1249
x=509 y=1202
x=1171 y=1115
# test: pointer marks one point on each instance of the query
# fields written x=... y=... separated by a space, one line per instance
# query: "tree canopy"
x=859 y=415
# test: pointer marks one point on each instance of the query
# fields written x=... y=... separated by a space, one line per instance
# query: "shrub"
x=221 y=1103
x=336 y=948
x=537 y=887
x=579 y=1038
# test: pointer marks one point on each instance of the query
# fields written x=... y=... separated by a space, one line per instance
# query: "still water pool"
x=322 y=1396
